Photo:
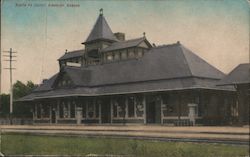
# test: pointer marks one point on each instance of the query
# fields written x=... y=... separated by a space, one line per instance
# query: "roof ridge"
x=166 y=45
x=193 y=55
x=186 y=61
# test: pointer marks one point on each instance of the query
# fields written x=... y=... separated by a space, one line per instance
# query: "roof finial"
x=101 y=11
x=144 y=34
x=66 y=51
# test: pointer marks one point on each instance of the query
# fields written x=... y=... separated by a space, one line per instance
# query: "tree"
x=4 y=104
x=19 y=90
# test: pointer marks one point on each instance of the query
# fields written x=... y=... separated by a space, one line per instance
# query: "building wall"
x=170 y=108
x=243 y=102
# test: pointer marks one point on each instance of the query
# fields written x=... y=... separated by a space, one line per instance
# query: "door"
x=150 y=112
x=53 y=116
x=153 y=110
x=78 y=115
x=106 y=111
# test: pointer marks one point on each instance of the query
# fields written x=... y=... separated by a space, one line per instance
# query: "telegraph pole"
x=1 y=6
x=9 y=58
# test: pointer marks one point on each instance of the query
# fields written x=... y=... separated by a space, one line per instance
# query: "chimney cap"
x=101 y=11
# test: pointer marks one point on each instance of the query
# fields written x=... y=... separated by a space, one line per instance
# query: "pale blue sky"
x=216 y=30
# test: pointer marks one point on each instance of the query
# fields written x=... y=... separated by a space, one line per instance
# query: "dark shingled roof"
x=171 y=67
x=101 y=30
x=72 y=54
x=239 y=75
x=47 y=85
x=125 y=44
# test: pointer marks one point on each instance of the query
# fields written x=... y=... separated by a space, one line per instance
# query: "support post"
x=111 y=108
x=50 y=113
x=144 y=109
x=57 y=110
x=161 y=101
x=100 y=113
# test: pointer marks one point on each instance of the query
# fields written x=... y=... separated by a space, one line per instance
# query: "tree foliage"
x=4 y=105
x=20 y=89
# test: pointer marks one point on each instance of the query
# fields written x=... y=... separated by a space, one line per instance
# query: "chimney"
x=120 y=36
x=44 y=80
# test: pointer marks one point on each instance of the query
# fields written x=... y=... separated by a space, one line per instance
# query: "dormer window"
x=65 y=81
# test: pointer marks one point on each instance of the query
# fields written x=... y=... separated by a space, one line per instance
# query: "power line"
x=9 y=58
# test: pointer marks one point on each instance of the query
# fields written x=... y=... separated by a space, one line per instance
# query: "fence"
x=16 y=121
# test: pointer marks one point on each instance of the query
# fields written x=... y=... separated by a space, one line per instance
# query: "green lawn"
x=34 y=144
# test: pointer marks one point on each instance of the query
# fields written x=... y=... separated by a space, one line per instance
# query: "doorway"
x=153 y=110
x=106 y=111
x=53 y=116
x=78 y=115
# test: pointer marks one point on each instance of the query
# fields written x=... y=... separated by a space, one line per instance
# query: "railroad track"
x=152 y=136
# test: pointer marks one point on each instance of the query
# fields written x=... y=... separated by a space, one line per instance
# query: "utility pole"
x=1 y=6
x=10 y=68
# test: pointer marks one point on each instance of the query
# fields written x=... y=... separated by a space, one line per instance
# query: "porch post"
x=144 y=109
x=57 y=110
x=50 y=113
x=126 y=106
x=35 y=112
x=100 y=113
x=111 y=107
x=161 y=101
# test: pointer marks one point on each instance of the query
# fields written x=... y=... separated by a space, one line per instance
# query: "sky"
x=215 y=30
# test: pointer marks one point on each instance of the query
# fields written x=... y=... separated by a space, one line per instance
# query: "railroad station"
x=113 y=80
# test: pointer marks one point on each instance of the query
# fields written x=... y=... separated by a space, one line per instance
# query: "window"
x=97 y=109
x=139 y=106
x=109 y=56
x=115 y=109
x=45 y=111
x=72 y=109
x=117 y=56
x=119 y=107
x=131 y=106
x=124 y=54
x=65 y=81
x=61 y=111
x=65 y=110
x=91 y=109
x=139 y=53
x=169 y=105
x=131 y=53
x=83 y=110
x=39 y=111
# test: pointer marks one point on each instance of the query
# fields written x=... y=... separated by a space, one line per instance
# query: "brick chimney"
x=120 y=36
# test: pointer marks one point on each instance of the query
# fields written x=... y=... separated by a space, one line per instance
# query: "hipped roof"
x=239 y=75
x=72 y=54
x=170 y=67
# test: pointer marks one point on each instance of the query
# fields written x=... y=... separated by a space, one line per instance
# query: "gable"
x=143 y=44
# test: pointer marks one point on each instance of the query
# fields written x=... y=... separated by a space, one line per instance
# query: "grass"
x=20 y=144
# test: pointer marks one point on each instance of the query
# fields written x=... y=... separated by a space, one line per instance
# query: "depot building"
x=118 y=81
